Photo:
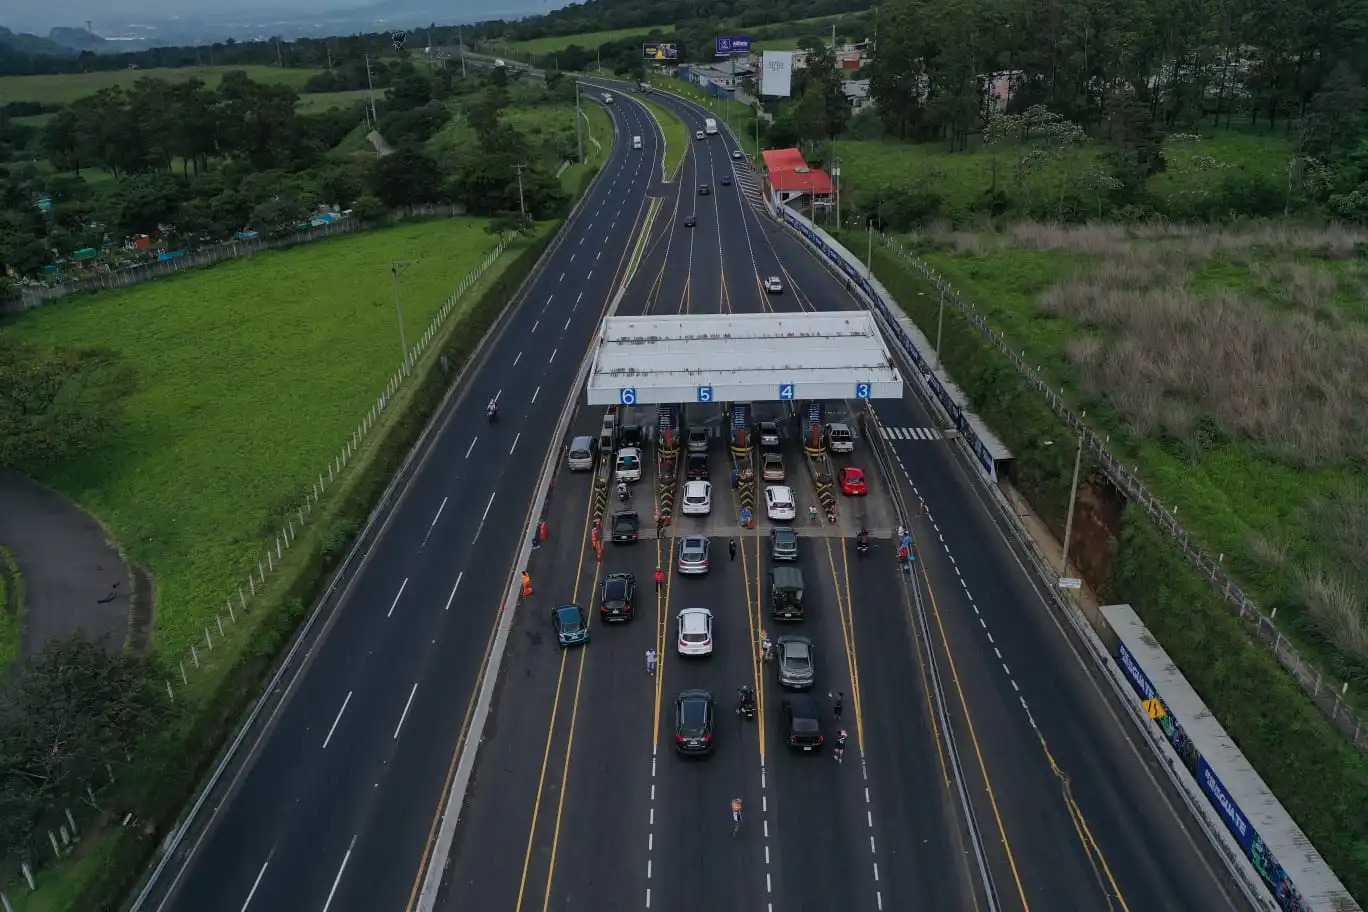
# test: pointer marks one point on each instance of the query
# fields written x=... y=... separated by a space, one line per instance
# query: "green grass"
x=251 y=377
x=677 y=138
x=588 y=40
x=871 y=168
x=315 y=102
x=600 y=127
x=11 y=610
x=67 y=87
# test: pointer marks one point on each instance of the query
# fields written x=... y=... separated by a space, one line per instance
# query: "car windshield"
x=693 y=714
x=693 y=552
x=624 y=522
x=615 y=591
x=569 y=619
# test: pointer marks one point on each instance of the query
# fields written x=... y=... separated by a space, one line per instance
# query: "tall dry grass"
x=1168 y=358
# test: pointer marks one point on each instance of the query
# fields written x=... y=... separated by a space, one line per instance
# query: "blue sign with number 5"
x=705 y=394
x=786 y=391
x=863 y=390
x=627 y=395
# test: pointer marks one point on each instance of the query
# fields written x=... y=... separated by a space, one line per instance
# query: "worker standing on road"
x=731 y=548
x=660 y=580
x=526 y=584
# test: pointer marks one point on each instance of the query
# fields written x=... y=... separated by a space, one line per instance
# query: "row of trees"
x=194 y=165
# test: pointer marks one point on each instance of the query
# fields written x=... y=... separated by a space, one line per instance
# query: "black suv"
x=704 y=190
x=694 y=719
x=800 y=719
x=631 y=435
x=626 y=524
x=617 y=600
x=697 y=467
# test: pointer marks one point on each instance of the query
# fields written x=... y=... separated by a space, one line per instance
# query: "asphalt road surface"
x=336 y=807
x=580 y=802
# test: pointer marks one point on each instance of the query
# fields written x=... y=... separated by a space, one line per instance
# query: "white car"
x=779 y=502
x=697 y=498
x=695 y=632
x=737 y=155
x=698 y=134
x=773 y=285
x=629 y=464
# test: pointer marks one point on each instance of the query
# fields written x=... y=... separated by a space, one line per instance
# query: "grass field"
x=599 y=126
x=677 y=138
x=11 y=610
x=872 y=168
x=1248 y=420
x=251 y=376
x=588 y=40
x=67 y=87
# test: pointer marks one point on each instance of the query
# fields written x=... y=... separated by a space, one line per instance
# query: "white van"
x=580 y=456
x=607 y=97
x=629 y=464
x=636 y=142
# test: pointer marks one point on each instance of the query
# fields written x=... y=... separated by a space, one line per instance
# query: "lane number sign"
x=627 y=395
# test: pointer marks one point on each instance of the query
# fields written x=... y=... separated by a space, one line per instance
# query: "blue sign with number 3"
x=863 y=390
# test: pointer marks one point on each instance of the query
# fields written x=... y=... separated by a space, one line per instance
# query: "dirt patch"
x=141 y=610
x=1097 y=521
x=74 y=578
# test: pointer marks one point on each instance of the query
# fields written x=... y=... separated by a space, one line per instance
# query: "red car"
x=853 y=481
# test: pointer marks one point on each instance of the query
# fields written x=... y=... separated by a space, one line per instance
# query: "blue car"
x=570 y=624
x=726 y=180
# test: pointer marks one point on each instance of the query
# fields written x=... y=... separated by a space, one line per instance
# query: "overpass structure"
x=722 y=363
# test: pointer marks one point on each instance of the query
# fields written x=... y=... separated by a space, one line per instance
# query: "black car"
x=704 y=190
x=631 y=435
x=697 y=469
x=803 y=728
x=617 y=599
x=695 y=715
x=626 y=526
x=691 y=222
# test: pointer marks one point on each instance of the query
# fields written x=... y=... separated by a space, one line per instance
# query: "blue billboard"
x=732 y=44
x=1272 y=873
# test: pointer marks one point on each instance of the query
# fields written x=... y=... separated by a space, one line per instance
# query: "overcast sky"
x=25 y=15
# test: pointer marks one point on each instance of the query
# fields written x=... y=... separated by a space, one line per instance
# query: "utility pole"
x=460 y=47
x=395 y=266
x=370 y=88
x=579 y=126
x=869 y=253
x=1073 y=496
x=328 y=46
x=940 y=321
x=280 y=60
x=598 y=63
x=521 y=205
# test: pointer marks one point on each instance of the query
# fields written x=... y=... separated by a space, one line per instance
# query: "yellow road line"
x=845 y=609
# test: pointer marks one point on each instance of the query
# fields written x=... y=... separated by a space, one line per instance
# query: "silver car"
x=693 y=554
x=796 y=661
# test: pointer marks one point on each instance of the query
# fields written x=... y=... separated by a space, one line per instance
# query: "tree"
x=1038 y=136
x=510 y=223
x=78 y=711
x=57 y=403
x=406 y=178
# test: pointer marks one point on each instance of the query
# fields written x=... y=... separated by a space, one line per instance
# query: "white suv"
x=773 y=285
x=779 y=502
x=695 y=632
x=697 y=498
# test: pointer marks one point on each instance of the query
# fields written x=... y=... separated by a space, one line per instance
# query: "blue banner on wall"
x=1272 y=873
x=732 y=44
x=957 y=415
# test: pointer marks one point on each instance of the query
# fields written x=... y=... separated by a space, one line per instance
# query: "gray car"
x=797 y=665
x=783 y=544
x=693 y=554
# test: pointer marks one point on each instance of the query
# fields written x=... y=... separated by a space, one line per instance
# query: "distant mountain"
x=20 y=43
x=78 y=39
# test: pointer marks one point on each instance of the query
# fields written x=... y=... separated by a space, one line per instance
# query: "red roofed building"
x=790 y=177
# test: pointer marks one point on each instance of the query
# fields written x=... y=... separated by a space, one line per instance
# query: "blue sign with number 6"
x=627 y=395
x=705 y=394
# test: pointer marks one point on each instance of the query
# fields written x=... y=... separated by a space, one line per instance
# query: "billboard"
x=662 y=52
x=776 y=74
x=732 y=44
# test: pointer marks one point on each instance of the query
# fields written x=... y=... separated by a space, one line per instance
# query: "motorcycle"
x=493 y=415
x=746 y=706
x=624 y=494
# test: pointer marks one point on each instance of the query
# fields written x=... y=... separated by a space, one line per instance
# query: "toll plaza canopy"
x=761 y=357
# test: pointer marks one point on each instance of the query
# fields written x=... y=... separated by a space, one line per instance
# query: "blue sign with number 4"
x=786 y=391
x=705 y=394
x=627 y=395
x=863 y=390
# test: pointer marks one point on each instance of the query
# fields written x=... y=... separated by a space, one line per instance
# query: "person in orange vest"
x=526 y=584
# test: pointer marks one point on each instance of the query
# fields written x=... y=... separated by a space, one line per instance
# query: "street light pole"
x=395 y=266
x=940 y=322
x=1073 y=497
x=869 y=253
x=522 y=207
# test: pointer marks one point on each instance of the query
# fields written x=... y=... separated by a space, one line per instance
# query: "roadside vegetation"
x=64 y=88
x=677 y=136
x=11 y=611
x=554 y=44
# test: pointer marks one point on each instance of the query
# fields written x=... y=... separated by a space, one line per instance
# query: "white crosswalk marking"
x=911 y=433
x=749 y=185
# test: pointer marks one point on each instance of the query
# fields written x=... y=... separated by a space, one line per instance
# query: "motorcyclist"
x=622 y=490
x=746 y=705
x=862 y=540
x=492 y=408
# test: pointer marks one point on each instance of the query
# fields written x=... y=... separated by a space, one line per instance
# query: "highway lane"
x=351 y=767
x=1112 y=828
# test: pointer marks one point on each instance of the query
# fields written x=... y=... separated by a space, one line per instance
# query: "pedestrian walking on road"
x=650 y=661
x=839 y=751
x=838 y=704
x=660 y=527
x=731 y=548
x=660 y=580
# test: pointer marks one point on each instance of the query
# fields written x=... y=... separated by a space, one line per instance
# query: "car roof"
x=694 y=541
x=783 y=532
x=564 y=609
x=624 y=577
x=780 y=491
x=773 y=457
x=629 y=451
x=691 y=619
x=695 y=612
x=625 y=514
x=800 y=648
x=696 y=485
x=802 y=705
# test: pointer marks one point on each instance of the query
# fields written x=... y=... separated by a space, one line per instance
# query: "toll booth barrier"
x=818 y=461
x=743 y=457
x=667 y=462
